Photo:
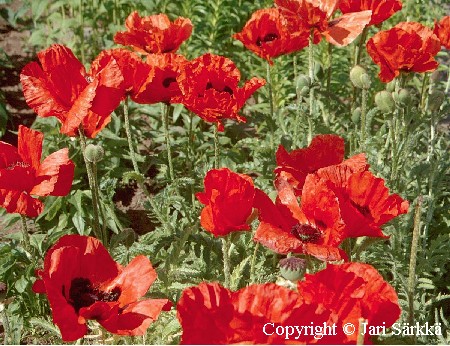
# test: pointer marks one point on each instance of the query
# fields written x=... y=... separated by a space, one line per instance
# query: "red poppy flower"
x=133 y=69
x=83 y=282
x=364 y=200
x=324 y=150
x=381 y=9
x=59 y=86
x=22 y=174
x=407 y=47
x=315 y=229
x=228 y=200
x=351 y=291
x=442 y=31
x=267 y=35
x=317 y=14
x=161 y=83
x=154 y=34
x=210 y=89
x=212 y=314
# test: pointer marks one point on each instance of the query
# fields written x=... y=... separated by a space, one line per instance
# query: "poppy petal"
x=29 y=146
x=345 y=29
x=20 y=202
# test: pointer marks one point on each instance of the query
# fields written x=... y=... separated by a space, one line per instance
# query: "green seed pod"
x=129 y=237
x=402 y=97
x=356 y=115
x=384 y=101
x=303 y=84
x=292 y=268
x=94 y=153
x=359 y=77
x=435 y=100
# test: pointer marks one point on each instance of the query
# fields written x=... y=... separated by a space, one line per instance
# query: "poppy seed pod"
x=435 y=100
x=292 y=268
x=359 y=77
x=384 y=101
x=94 y=153
x=303 y=85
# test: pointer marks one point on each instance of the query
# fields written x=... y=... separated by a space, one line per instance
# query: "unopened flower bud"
x=384 y=101
x=303 y=85
x=292 y=268
x=94 y=153
x=435 y=100
x=402 y=97
x=359 y=77
x=356 y=115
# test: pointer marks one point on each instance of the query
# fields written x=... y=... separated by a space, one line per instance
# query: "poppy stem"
x=311 y=91
x=252 y=263
x=5 y=322
x=25 y=234
x=96 y=224
x=216 y=147
x=359 y=47
x=102 y=214
x=447 y=86
x=360 y=337
x=226 y=243
x=413 y=259
x=269 y=84
x=363 y=116
x=168 y=113
x=128 y=132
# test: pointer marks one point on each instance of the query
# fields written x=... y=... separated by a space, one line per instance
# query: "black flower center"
x=363 y=209
x=225 y=89
x=306 y=233
x=169 y=80
x=82 y=294
x=268 y=38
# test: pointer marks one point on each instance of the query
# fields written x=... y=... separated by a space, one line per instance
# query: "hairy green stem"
x=413 y=259
x=226 y=243
x=253 y=262
x=363 y=116
x=25 y=234
x=5 y=321
x=359 y=47
x=167 y=115
x=360 y=337
x=96 y=224
x=104 y=233
x=128 y=132
x=216 y=147
x=311 y=91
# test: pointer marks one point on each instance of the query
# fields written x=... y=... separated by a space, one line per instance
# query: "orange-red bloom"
x=154 y=34
x=442 y=31
x=407 y=47
x=212 y=314
x=381 y=9
x=364 y=200
x=315 y=228
x=267 y=35
x=316 y=14
x=210 y=89
x=161 y=83
x=83 y=282
x=228 y=200
x=351 y=291
x=324 y=150
x=59 y=86
x=22 y=174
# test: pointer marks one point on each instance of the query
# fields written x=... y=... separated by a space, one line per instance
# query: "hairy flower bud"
x=402 y=97
x=359 y=77
x=435 y=100
x=303 y=85
x=356 y=115
x=292 y=268
x=384 y=101
x=94 y=153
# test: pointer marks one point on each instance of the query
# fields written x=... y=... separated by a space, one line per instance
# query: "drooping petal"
x=381 y=9
x=345 y=29
x=29 y=146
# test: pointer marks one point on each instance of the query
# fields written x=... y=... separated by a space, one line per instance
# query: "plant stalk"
x=216 y=147
x=128 y=132
x=168 y=114
x=226 y=243
x=253 y=262
x=413 y=259
x=25 y=234
x=311 y=91
x=363 y=116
